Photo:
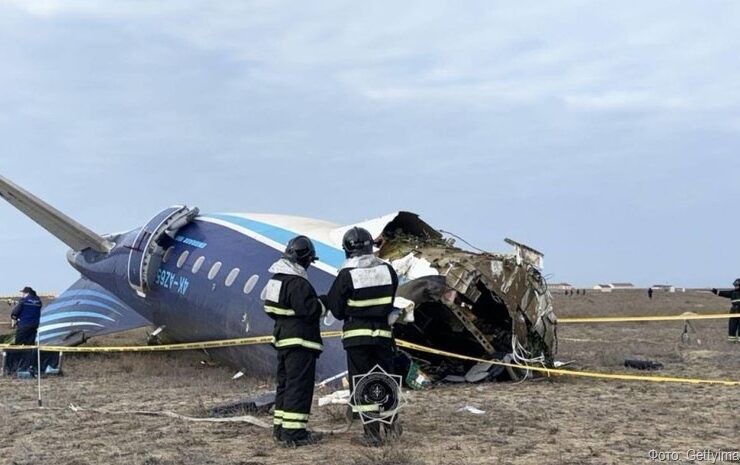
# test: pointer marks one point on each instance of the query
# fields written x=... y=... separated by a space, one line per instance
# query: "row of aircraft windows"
x=230 y=278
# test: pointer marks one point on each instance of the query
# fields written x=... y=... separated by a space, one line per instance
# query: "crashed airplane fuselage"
x=198 y=277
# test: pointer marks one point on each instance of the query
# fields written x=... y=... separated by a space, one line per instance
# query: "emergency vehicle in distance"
x=199 y=277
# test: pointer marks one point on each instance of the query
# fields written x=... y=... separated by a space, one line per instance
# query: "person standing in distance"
x=25 y=316
x=734 y=323
x=362 y=296
x=291 y=301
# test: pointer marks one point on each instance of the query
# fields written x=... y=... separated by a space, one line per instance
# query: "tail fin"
x=67 y=230
x=83 y=311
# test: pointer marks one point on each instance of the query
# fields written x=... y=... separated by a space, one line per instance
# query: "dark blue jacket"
x=734 y=296
x=28 y=311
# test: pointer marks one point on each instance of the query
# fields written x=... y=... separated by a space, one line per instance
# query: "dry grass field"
x=562 y=420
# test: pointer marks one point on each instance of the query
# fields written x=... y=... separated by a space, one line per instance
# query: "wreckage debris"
x=643 y=365
x=479 y=304
x=259 y=404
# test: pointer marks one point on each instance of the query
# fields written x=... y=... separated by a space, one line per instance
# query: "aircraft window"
x=251 y=282
x=198 y=263
x=214 y=270
x=168 y=254
x=232 y=277
x=181 y=260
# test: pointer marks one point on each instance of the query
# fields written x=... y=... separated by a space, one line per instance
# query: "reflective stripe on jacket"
x=292 y=302
x=362 y=295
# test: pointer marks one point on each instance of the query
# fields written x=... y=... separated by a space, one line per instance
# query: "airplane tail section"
x=67 y=230
x=83 y=311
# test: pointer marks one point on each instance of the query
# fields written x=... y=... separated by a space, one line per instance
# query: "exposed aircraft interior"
x=479 y=304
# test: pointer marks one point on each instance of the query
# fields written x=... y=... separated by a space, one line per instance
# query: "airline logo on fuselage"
x=193 y=242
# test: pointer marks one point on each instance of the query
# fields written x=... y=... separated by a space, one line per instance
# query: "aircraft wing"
x=83 y=311
x=67 y=230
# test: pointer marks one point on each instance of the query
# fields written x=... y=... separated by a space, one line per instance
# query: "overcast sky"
x=605 y=134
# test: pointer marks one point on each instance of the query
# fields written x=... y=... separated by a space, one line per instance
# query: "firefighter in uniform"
x=734 y=324
x=291 y=301
x=362 y=295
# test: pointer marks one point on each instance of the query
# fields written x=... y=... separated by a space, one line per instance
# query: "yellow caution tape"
x=558 y=371
x=157 y=348
x=621 y=319
x=585 y=319
x=246 y=341
x=399 y=342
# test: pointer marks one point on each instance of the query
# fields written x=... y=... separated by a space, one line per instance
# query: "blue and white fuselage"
x=200 y=277
x=207 y=287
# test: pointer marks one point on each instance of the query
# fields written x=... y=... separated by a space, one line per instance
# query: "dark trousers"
x=296 y=375
x=362 y=359
x=25 y=336
x=734 y=325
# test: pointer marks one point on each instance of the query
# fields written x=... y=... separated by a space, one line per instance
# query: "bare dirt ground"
x=562 y=420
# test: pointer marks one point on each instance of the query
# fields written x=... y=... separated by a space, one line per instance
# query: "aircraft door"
x=146 y=251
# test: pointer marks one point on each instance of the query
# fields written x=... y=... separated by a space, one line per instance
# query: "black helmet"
x=356 y=242
x=300 y=250
x=736 y=283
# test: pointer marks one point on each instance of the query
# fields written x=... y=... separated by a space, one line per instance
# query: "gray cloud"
x=590 y=129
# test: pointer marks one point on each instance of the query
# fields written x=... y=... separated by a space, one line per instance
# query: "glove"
x=715 y=291
x=13 y=322
x=393 y=316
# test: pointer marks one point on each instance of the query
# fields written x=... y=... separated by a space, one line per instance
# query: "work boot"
x=276 y=432
x=307 y=439
x=316 y=435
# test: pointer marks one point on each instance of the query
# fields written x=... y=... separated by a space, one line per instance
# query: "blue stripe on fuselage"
x=210 y=310
x=81 y=302
x=327 y=254
x=62 y=315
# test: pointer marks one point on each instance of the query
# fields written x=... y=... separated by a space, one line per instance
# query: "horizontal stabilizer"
x=83 y=311
x=67 y=230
